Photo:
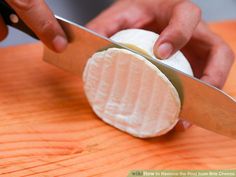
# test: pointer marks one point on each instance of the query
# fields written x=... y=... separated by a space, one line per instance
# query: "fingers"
x=4 y=30
x=121 y=15
x=210 y=57
x=218 y=66
x=179 y=31
x=219 y=57
x=36 y=14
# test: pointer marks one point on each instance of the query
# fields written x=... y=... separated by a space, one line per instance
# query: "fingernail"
x=59 y=43
x=186 y=124
x=165 y=50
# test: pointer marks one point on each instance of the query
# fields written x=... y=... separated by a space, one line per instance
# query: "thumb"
x=121 y=15
x=179 y=30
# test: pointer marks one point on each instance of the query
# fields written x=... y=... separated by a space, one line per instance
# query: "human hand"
x=210 y=57
x=37 y=15
x=180 y=27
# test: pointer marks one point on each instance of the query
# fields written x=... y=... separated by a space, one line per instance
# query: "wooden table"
x=48 y=129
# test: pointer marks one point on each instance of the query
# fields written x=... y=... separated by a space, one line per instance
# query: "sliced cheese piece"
x=144 y=42
x=128 y=92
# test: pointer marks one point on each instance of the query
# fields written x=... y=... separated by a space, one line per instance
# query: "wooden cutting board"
x=48 y=129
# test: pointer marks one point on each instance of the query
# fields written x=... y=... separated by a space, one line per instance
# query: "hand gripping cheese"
x=128 y=92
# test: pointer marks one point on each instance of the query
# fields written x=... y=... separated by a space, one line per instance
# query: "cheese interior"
x=128 y=92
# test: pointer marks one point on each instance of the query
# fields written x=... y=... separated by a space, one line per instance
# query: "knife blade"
x=202 y=104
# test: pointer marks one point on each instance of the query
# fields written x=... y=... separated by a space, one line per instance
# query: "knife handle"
x=11 y=18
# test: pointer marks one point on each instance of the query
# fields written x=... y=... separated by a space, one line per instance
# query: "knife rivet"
x=14 y=18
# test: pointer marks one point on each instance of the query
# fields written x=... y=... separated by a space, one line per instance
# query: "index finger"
x=178 y=32
x=37 y=15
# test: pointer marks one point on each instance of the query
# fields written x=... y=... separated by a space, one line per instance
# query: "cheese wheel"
x=128 y=92
x=144 y=42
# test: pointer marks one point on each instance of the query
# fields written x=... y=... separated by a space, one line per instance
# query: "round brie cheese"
x=128 y=92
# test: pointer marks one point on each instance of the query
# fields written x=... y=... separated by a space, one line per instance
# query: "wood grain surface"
x=48 y=129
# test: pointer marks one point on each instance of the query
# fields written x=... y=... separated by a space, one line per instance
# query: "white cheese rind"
x=128 y=92
x=145 y=41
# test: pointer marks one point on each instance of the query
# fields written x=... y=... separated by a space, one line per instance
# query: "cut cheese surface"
x=128 y=92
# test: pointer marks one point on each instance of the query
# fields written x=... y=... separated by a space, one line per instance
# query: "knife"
x=202 y=104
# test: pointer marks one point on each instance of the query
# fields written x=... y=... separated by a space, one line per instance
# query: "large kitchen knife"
x=202 y=104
